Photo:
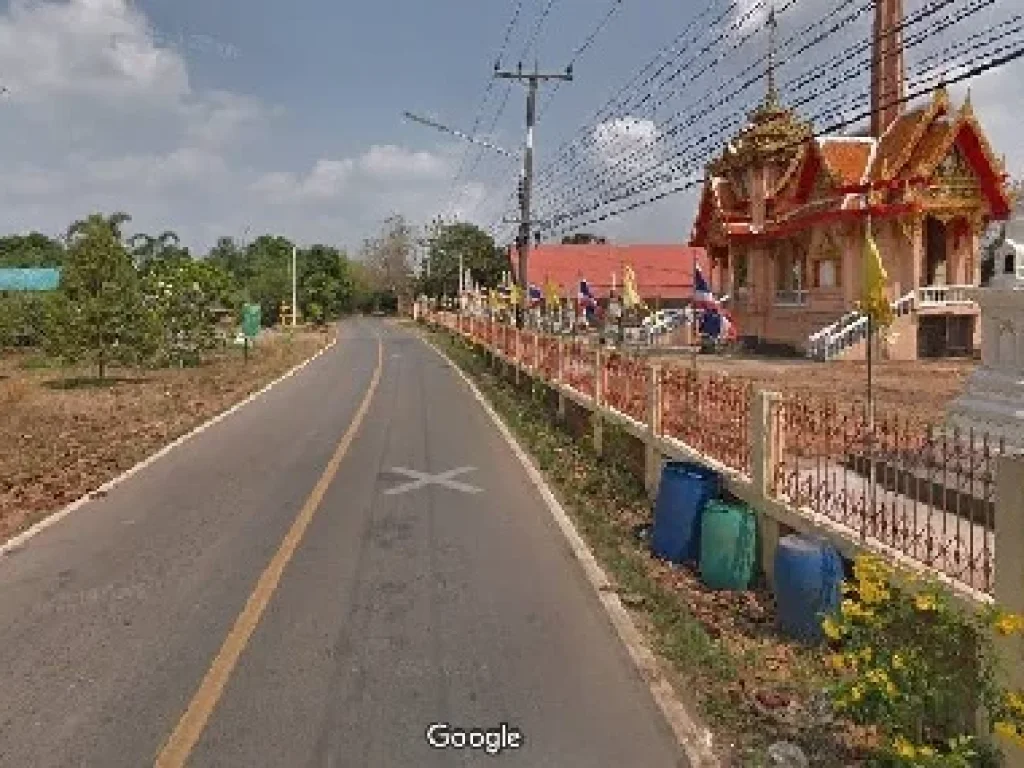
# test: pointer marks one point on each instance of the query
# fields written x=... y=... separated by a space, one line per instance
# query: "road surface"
x=188 y=615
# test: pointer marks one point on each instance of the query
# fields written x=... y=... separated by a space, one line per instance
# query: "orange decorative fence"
x=926 y=493
x=708 y=412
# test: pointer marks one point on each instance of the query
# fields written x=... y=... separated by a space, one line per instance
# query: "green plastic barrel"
x=728 y=546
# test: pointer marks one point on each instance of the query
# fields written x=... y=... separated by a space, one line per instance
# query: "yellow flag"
x=630 y=294
x=874 y=301
x=551 y=297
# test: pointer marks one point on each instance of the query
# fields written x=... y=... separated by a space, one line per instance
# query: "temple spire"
x=888 y=74
x=772 y=97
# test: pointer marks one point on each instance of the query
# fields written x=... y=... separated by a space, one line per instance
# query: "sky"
x=240 y=117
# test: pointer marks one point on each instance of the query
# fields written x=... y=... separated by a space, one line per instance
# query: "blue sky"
x=227 y=117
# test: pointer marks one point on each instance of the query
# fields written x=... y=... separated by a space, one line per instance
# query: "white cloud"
x=101 y=114
x=627 y=143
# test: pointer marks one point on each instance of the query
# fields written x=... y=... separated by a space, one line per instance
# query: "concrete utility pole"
x=295 y=289
x=532 y=80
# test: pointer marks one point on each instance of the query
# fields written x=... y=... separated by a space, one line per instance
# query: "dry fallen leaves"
x=58 y=444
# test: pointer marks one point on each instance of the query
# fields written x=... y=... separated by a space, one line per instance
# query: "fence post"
x=517 y=336
x=1009 y=575
x=652 y=450
x=560 y=379
x=765 y=436
x=598 y=401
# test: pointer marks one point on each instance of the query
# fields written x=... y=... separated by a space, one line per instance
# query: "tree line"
x=145 y=299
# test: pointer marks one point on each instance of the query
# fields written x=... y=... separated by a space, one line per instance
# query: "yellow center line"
x=187 y=732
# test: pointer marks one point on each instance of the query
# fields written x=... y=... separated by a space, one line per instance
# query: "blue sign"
x=29 y=279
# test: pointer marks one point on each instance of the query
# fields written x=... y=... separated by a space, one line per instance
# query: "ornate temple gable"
x=897 y=144
x=963 y=169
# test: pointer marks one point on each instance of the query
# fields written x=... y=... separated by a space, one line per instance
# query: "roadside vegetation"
x=896 y=684
x=139 y=342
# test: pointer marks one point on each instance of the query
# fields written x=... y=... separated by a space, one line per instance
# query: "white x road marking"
x=425 y=478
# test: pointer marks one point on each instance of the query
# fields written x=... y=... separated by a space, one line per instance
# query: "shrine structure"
x=784 y=216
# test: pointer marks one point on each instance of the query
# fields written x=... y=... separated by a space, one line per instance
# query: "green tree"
x=147 y=249
x=99 y=314
x=32 y=250
x=326 y=286
x=268 y=260
x=114 y=222
x=232 y=258
x=583 y=238
x=446 y=243
x=184 y=294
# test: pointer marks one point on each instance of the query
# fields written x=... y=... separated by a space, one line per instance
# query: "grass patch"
x=719 y=649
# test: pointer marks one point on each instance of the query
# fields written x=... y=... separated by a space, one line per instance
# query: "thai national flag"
x=535 y=295
x=703 y=298
x=585 y=297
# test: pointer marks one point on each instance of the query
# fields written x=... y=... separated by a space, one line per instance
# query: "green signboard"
x=251 y=319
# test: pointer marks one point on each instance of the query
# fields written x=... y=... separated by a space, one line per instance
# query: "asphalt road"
x=433 y=604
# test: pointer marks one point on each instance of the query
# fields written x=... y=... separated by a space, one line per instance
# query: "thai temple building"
x=784 y=216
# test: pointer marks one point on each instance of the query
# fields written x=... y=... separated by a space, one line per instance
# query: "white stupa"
x=993 y=399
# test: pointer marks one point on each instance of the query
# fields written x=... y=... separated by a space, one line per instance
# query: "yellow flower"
x=898 y=662
x=926 y=602
x=1009 y=623
x=1015 y=702
x=926 y=752
x=851 y=609
x=1007 y=730
x=836 y=661
x=832 y=630
x=873 y=593
x=857 y=692
x=904 y=748
x=867 y=568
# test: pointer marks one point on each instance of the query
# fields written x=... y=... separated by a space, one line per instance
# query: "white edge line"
x=56 y=517
x=694 y=738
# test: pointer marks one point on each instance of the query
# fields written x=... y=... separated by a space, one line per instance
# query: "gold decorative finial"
x=772 y=97
x=968 y=107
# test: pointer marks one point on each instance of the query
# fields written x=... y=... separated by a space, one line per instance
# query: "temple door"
x=935 y=252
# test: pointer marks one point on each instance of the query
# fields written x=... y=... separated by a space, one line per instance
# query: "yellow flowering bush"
x=914 y=667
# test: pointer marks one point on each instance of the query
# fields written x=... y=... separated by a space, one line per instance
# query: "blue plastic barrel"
x=808 y=586
x=685 y=488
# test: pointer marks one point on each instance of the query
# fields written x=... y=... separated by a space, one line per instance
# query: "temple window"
x=791 y=276
x=741 y=273
x=827 y=273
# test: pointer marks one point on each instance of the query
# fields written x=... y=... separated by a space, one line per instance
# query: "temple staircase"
x=845 y=334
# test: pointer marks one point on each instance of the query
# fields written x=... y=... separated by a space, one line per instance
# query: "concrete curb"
x=52 y=519
x=694 y=739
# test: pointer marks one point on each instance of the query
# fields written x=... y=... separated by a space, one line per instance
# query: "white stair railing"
x=850 y=329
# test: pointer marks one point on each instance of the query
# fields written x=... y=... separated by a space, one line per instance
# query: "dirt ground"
x=62 y=434
x=919 y=391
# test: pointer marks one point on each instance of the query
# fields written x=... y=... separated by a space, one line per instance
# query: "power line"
x=973 y=72
x=588 y=41
x=538 y=25
x=672 y=123
x=611 y=173
x=487 y=92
